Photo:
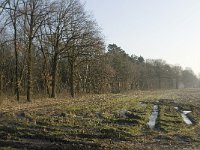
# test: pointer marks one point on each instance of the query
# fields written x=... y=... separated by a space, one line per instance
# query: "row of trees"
x=41 y=35
x=49 y=47
x=133 y=72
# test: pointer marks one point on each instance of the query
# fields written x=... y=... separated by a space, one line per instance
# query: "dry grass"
x=94 y=121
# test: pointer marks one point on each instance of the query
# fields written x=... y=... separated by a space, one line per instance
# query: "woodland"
x=56 y=47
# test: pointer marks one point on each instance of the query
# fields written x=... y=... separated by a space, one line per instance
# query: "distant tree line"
x=136 y=73
x=52 y=47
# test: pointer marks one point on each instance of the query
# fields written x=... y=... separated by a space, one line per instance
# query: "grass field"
x=108 y=121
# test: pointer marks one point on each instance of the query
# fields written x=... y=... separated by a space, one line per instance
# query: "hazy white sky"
x=165 y=29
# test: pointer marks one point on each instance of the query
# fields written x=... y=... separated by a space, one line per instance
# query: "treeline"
x=133 y=72
x=52 y=47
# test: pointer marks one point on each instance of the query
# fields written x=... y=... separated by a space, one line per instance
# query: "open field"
x=112 y=121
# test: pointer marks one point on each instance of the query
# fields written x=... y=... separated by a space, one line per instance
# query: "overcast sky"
x=159 y=29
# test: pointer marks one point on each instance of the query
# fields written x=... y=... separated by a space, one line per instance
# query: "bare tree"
x=55 y=26
x=86 y=44
x=10 y=8
x=34 y=14
x=45 y=72
x=13 y=13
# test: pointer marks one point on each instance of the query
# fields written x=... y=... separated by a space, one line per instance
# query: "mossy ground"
x=109 y=121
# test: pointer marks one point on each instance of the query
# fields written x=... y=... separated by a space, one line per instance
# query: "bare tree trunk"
x=29 y=65
x=45 y=73
x=45 y=70
x=13 y=16
x=16 y=60
x=72 y=91
x=54 y=72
